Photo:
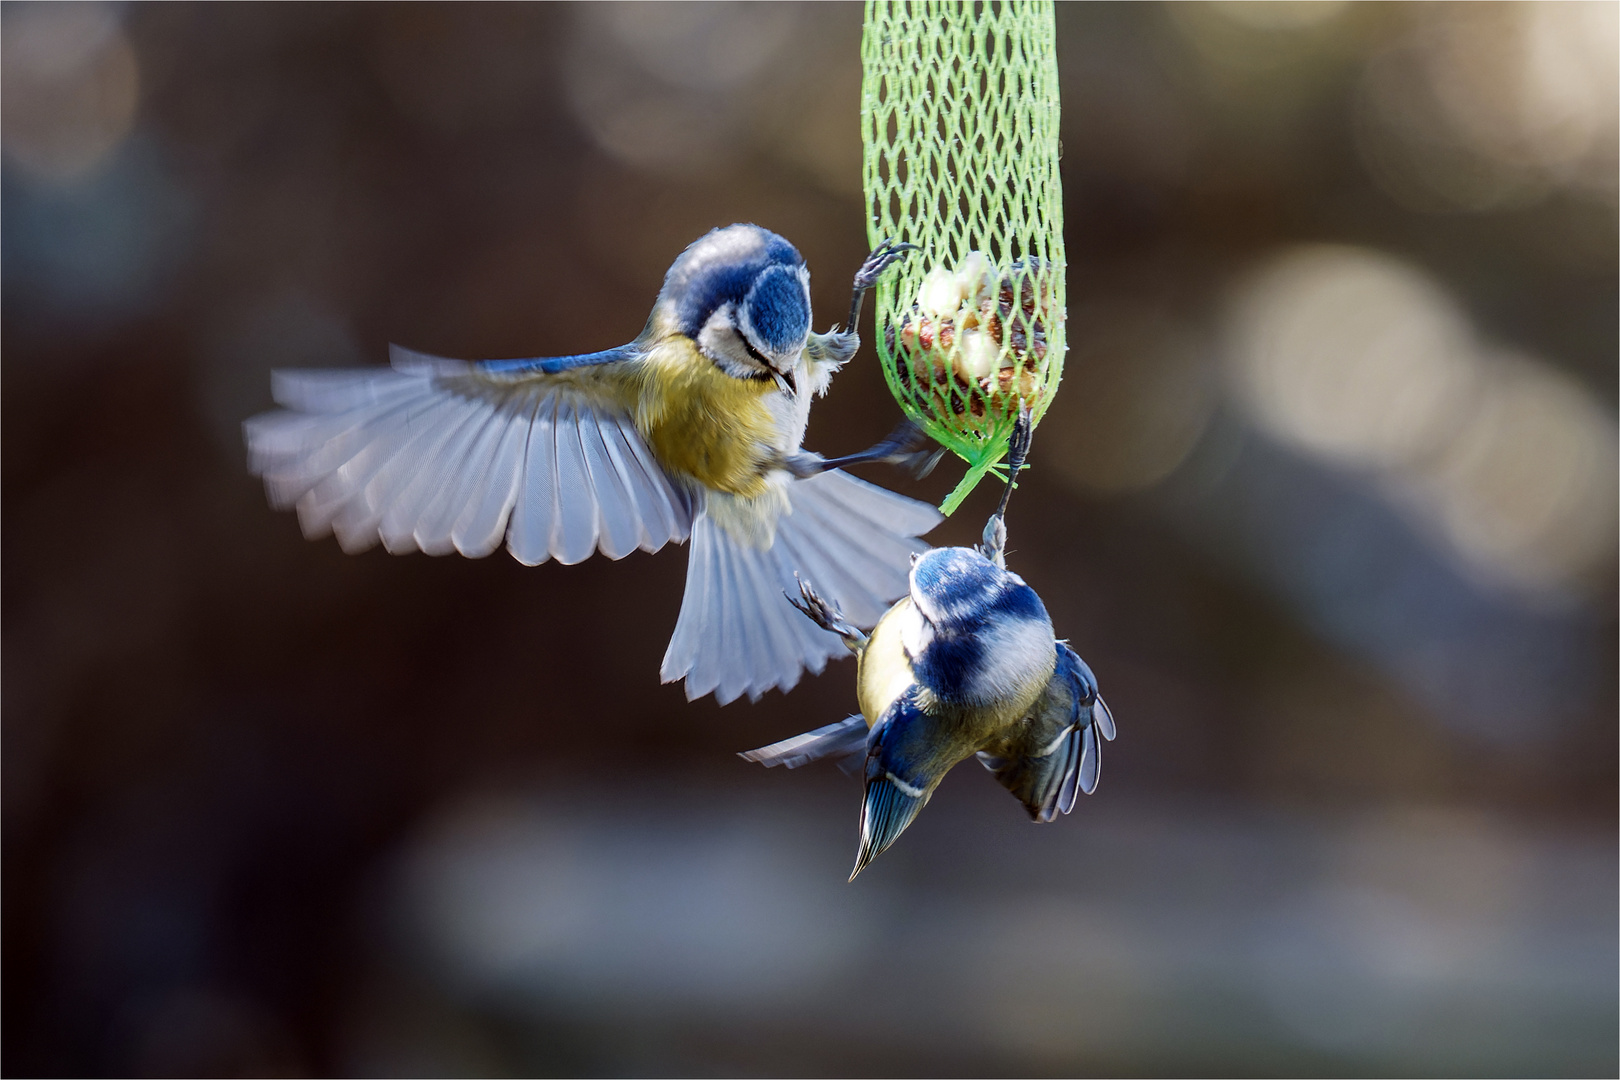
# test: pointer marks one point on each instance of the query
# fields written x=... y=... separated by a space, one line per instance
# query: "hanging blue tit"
x=691 y=430
x=965 y=664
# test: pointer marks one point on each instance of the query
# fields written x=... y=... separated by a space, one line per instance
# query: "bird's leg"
x=826 y=615
x=906 y=446
x=882 y=257
x=994 y=542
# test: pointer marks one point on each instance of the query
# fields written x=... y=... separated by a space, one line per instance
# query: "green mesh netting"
x=959 y=122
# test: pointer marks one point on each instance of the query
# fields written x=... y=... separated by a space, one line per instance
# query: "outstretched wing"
x=840 y=741
x=445 y=455
x=1057 y=754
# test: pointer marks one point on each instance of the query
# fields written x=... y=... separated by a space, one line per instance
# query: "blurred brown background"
x=1328 y=502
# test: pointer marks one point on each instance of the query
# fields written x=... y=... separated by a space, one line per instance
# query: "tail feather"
x=746 y=635
x=691 y=628
x=856 y=583
x=738 y=634
x=879 y=506
x=864 y=533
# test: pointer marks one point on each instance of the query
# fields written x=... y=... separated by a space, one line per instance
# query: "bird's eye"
x=753 y=352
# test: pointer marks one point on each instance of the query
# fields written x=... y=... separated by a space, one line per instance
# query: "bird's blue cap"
x=958 y=585
x=729 y=264
x=777 y=309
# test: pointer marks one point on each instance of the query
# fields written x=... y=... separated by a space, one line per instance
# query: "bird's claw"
x=819 y=611
x=824 y=614
x=905 y=446
x=1018 y=443
x=921 y=462
x=909 y=449
x=882 y=257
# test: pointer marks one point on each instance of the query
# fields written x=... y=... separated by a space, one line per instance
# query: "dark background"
x=1327 y=502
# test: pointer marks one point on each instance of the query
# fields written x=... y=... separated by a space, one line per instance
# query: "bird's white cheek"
x=915 y=632
x=1018 y=657
x=718 y=340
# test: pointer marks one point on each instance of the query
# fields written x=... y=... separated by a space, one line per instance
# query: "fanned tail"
x=738 y=634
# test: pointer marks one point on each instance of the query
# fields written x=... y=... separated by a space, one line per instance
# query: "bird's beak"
x=784 y=384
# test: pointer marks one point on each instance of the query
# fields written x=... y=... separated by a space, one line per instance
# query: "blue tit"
x=692 y=430
x=965 y=664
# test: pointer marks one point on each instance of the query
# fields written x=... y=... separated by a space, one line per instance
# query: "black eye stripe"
x=742 y=337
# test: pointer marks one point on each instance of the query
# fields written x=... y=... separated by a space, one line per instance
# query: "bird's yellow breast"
x=883 y=672
x=703 y=424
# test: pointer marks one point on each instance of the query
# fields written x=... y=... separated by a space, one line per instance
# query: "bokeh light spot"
x=1494 y=105
x=1145 y=399
x=1361 y=360
x=1527 y=490
x=1350 y=355
x=69 y=85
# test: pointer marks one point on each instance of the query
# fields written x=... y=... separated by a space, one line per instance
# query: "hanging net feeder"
x=959 y=125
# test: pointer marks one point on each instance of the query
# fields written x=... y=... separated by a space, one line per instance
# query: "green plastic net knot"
x=959 y=124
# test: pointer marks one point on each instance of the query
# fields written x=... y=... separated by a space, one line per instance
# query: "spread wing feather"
x=443 y=455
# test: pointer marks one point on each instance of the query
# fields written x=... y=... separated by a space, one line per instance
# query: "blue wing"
x=444 y=455
x=897 y=788
x=536 y=365
x=1057 y=755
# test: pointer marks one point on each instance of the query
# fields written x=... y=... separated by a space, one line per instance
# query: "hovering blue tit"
x=691 y=430
x=965 y=664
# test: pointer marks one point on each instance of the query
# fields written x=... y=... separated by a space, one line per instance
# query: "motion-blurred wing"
x=445 y=455
x=844 y=739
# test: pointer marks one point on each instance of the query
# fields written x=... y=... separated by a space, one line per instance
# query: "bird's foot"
x=826 y=615
x=994 y=542
x=906 y=446
x=882 y=257
x=1018 y=443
